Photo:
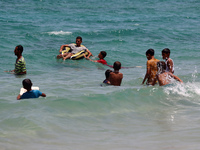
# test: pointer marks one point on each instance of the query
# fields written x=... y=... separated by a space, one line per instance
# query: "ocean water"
x=78 y=113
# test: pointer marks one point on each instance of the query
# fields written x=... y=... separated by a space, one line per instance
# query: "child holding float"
x=29 y=93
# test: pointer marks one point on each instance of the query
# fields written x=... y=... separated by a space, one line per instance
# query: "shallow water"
x=78 y=113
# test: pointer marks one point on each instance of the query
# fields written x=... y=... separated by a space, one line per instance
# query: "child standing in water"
x=27 y=84
x=20 y=64
x=151 y=67
x=116 y=76
x=168 y=61
x=163 y=77
x=107 y=74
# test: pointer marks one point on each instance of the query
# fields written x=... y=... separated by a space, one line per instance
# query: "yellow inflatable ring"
x=76 y=56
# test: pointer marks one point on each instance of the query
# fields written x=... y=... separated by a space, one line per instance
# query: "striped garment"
x=20 y=65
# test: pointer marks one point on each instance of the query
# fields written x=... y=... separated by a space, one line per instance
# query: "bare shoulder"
x=169 y=59
x=116 y=75
x=111 y=73
x=121 y=74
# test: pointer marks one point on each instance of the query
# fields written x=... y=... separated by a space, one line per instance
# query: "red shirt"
x=102 y=61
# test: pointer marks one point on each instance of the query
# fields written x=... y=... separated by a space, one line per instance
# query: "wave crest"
x=59 y=33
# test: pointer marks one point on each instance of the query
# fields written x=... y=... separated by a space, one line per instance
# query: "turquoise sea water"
x=78 y=113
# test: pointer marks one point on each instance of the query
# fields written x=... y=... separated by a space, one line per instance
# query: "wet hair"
x=161 y=66
x=79 y=37
x=103 y=53
x=27 y=84
x=150 y=51
x=166 y=51
x=20 y=48
x=107 y=73
x=117 y=65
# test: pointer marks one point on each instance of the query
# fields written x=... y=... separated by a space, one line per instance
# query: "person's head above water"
x=149 y=53
x=78 y=40
x=107 y=73
x=102 y=54
x=166 y=53
x=117 y=65
x=27 y=84
x=18 y=50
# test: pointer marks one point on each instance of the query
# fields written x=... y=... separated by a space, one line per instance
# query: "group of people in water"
x=157 y=71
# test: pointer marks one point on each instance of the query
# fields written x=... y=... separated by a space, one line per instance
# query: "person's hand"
x=64 y=58
x=11 y=71
x=85 y=56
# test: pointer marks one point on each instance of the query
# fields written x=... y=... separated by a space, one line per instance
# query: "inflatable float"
x=23 y=90
x=76 y=56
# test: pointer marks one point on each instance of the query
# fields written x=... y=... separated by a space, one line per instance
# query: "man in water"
x=74 y=48
x=151 y=67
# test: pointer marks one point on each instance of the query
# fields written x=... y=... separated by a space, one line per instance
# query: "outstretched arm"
x=175 y=77
x=89 y=53
x=43 y=95
x=11 y=71
x=89 y=58
x=18 y=97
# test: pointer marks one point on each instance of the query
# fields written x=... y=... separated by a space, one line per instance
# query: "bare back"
x=152 y=69
x=166 y=78
x=116 y=78
x=163 y=79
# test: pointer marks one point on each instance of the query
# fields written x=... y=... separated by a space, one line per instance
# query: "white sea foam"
x=59 y=33
x=188 y=89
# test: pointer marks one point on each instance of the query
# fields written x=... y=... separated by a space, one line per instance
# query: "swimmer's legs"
x=62 y=55
x=67 y=56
